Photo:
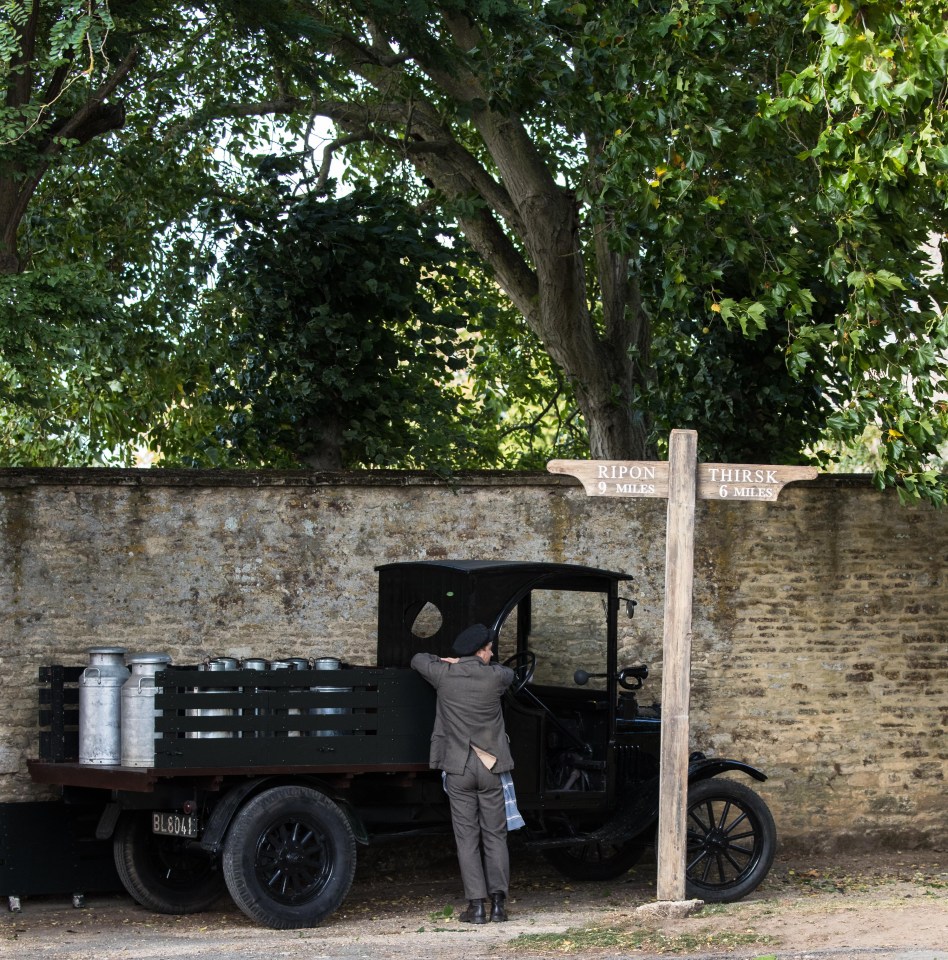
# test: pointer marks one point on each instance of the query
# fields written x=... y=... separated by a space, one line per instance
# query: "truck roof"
x=512 y=567
x=454 y=594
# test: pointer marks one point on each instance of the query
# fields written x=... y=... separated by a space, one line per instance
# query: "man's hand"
x=450 y=659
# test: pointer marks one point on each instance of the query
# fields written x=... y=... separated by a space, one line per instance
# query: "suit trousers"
x=480 y=829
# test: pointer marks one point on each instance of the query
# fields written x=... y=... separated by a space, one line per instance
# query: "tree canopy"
x=344 y=344
x=716 y=214
x=110 y=186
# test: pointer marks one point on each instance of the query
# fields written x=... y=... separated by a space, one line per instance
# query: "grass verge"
x=578 y=940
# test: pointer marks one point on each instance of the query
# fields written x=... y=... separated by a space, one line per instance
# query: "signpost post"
x=680 y=480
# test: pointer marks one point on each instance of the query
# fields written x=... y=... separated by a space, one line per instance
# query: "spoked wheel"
x=289 y=858
x=164 y=874
x=596 y=861
x=731 y=841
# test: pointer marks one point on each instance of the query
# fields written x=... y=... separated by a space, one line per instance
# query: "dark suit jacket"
x=468 y=711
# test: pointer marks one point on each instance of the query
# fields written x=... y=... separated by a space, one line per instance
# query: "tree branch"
x=261 y=109
x=438 y=162
x=91 y=110
x=511 y=270
x=93 y=118
x=548 y=285
x=328 y=152
x=20 y=91
x=545 y=277
x=223 y=111
x=424 y=133
x=505 y=137
x=56 y=82
x=521 y=167
x=357 y=54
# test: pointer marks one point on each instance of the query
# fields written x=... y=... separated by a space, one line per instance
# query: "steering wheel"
x=524 y=665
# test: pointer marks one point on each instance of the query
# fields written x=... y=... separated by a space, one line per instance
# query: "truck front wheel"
x=731 y=841
x=164 y=874
x=289 y=857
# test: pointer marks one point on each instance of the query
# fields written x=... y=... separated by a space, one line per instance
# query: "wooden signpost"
x=680 y=479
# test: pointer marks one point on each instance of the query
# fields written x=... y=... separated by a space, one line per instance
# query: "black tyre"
x=289 y=858
x=596 y=861
x=731 y=841
x=164 y=874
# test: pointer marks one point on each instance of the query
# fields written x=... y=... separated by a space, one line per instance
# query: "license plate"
x=174 y=824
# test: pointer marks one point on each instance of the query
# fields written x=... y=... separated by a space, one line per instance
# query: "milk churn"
x=328 y=663
x=100 y=706
x=296 y=663
x=282 y=711
x=260 y=665
x=215 y=665
x=138 y=708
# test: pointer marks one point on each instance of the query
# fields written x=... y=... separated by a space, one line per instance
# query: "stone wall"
x=819 y=621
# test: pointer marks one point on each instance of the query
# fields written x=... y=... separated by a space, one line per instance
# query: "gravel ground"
x=403 y=905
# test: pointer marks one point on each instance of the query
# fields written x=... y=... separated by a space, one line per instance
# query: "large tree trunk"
x=327 y=453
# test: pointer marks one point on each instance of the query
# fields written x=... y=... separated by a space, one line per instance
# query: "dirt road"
x=885 y=907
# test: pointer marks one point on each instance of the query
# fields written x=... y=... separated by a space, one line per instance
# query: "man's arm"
x=505 y=676
x=431 y=667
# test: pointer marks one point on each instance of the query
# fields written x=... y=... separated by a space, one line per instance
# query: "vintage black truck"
x=265 y=783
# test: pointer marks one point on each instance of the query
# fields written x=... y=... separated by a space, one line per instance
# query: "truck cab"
x=557 y=625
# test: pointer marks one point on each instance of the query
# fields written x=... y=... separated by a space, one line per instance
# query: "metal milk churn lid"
x=138 y=708
x=254 y=663
x=100 y=706
x=327 y=663
x=222 y=663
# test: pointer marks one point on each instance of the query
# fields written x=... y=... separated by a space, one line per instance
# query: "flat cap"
x=471 y=639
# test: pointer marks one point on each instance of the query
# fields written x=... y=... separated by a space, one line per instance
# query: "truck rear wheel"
x=289 y=857
x=164 y=874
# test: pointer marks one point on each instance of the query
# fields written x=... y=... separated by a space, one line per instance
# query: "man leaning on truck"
x=469 y=743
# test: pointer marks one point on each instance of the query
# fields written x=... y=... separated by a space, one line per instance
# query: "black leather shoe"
x=475 y=913
x=498 y=907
